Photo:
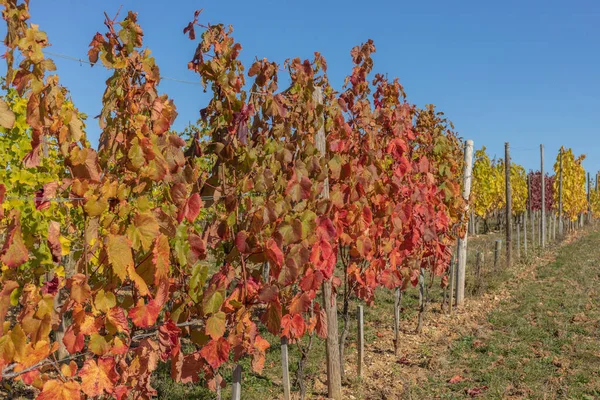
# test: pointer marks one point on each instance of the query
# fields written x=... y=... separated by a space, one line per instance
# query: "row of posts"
x=459 y=274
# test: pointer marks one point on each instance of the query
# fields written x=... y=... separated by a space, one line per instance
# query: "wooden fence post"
x=236 y=389
x=478 y=262
x=285 y=367
x=560 y=190
x=360 y=340
x=497 y=251
x=525 y=232
x=543 y=196
x=452 y=274
x=334 y=377
x=508 y=205
x=518 y=241
x=397 y=308
x=589 y=189
x=531 y=213
x=462 y=242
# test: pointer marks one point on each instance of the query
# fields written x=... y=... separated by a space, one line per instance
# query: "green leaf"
x=215 y=325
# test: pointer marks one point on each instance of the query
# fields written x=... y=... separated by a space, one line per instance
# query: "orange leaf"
x=116 y=316
x=72 y=341
x=57 y=390
x=216 y=352
x=274 y=253
x=144 y=315
x=456 y=379
x=80 y=290
x=97 y=378
x=14 y=252
x=160 y=258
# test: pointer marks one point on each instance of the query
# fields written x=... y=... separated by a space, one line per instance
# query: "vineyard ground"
x=532 y=333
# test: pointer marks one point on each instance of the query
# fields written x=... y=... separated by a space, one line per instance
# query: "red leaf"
x=312 y=280
x=216 y=352
x=190 y=209
x=321 y=325
x=456 y=379
x=274 y=253
x=14 y=252
x=476 y=391
x=300 y=303
x=293 y=327
x=53 y=242
x=272 y=317
x=168 y=340
x=144 y=315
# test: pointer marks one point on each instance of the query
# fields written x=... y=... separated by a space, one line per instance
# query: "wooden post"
x=497 y=251
x=360 y=340
x=508 y=205
x=525 y=232
x=397 y=305
x=334 y=377
x=518 y=240
x=543 y=196
x=589 y=188
x=478 y=262
x=452 y=274
x=560 y=193
x=462 y=242
x=236 y=389
x=285 y=367
x=531 y=213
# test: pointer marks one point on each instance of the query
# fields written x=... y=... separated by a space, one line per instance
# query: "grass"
x=541 y=344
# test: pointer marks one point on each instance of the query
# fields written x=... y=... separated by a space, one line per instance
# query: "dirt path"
x=536 y=337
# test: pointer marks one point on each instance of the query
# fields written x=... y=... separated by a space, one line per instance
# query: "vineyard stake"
x=332 y=348
x=560 y=190
x=525 y=232
x=462 y=242
x=236 y=389
x=497 y=251
x=518 y=241
x=543 y=234
x=508 y=205
x=285 y=367
x=397 y=302
x=360 y=339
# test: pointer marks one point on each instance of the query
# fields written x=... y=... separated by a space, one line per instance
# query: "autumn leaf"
x=190 y=209
x=168 y=340
x=215 y=325
x=116 y=317
x=80 y=290
x=58 y=390
x=104 y=301
x=216 y=352
x=73 y=341
x=98 y=378
x=274 y=253
x=143 y=230
x=456 y=379
x=118 y=249
x=160 y=258
x=144 y=315
x=14 y=252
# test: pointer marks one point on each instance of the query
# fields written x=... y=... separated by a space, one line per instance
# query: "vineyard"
x=252 y=245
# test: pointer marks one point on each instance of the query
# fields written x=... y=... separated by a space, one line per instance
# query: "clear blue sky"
x=525 y=72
